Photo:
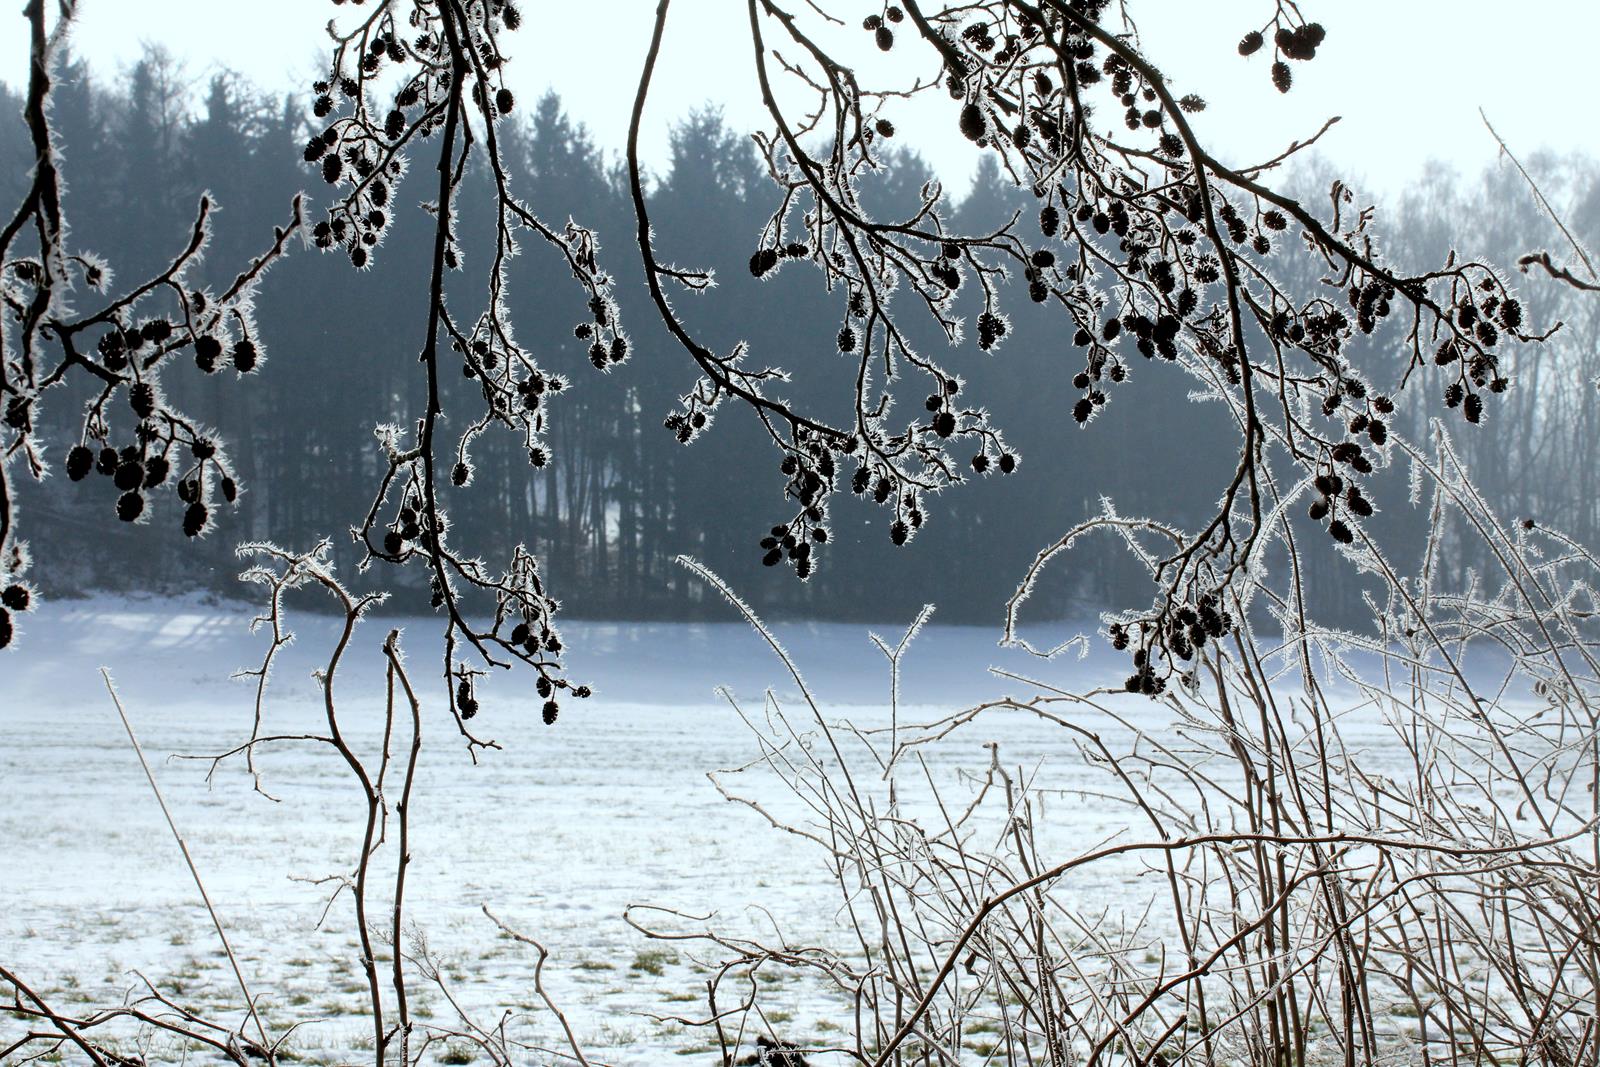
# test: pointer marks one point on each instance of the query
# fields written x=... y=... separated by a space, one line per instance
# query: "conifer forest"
x=482 y=588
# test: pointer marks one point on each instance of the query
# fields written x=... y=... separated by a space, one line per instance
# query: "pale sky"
x=1407 y=76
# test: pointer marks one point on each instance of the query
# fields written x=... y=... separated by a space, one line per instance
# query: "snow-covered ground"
x=557 y=832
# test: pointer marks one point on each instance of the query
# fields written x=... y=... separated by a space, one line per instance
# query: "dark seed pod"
x=551 y=711
x=79 y=462
x=206 y=351
x=972 y=122
x=194 y=520
x=130 y=506
x=16 y=597
x=763 y=261
x=128 y=476
x=142 y=398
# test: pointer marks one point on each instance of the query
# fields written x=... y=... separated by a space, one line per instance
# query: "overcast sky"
x=1406 y=76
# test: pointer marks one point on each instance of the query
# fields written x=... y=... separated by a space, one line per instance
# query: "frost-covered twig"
x=216 y=920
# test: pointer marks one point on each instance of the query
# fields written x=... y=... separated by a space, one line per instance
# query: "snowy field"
x=558 y=832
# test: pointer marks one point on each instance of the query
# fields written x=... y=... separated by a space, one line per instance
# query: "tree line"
x=619 y=498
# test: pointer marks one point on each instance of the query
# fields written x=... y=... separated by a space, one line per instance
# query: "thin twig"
x=249 y=1001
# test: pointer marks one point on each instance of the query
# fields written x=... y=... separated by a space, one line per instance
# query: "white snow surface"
x=557 y=832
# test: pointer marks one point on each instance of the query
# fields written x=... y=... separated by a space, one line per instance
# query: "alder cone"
x=972 y=122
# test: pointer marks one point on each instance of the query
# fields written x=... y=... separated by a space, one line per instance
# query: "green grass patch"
x=653 y=961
